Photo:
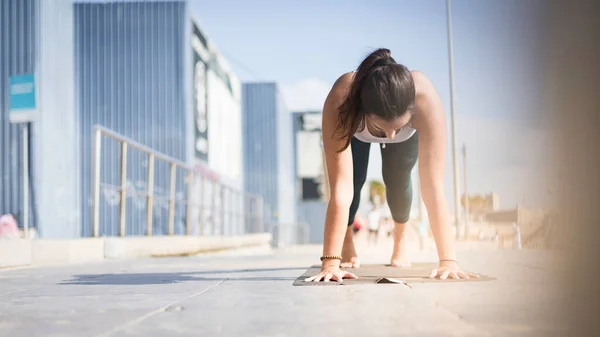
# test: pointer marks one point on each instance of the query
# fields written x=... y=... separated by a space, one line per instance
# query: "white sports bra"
x=365 y=136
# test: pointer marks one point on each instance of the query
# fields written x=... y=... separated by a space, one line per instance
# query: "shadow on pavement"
x=172 y=278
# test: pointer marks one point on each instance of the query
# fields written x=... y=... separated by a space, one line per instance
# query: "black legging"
x=398 y=160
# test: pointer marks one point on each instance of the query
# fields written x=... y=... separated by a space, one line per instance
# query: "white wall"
x=286 y=181
x=225 y=131
x=54 y=131
x=224 y=115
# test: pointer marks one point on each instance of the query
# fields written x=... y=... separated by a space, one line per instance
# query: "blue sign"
x=22 y=98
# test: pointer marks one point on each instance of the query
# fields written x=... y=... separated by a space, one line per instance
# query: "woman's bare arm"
x=430 y=122
x=339 y=171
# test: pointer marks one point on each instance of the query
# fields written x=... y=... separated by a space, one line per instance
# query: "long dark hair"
x=381 y=87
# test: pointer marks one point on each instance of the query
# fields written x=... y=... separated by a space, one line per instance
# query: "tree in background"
x=377 y=193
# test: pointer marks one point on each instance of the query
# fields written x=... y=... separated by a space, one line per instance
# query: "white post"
x=457 y=211
x=97 y=143
x=517 y=237
x=467 y=219
x=26 y=180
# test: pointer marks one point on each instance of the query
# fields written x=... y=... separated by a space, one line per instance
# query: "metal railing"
x=226 y=204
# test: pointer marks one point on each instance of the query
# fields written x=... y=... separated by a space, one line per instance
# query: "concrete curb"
x=42 y=252
x=15 y=253
x=136 y=247
x=49 y=252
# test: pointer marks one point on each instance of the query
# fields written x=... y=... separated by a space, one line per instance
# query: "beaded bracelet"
x=331 y=257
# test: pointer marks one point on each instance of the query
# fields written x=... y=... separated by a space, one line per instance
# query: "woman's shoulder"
x=429 y=105
x=423 y=85
x=339 y=91
x=343 y=82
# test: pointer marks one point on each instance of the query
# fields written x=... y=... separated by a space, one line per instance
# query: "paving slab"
x=253 y=295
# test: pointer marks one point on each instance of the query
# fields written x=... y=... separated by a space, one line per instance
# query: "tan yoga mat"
x=381 y=274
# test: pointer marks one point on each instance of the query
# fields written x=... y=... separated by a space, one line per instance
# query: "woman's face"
x=382 y=128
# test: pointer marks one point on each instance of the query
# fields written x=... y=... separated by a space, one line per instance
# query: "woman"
x=383 y=102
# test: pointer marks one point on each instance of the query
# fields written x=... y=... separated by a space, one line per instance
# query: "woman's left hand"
x=450 y=269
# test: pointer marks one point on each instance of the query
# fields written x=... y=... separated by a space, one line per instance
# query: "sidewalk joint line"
x=157 y=311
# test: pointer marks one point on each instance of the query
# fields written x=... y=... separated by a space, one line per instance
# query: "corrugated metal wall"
x=130 y=79
x=17 y=56
x=268 y=150
x=259 y=123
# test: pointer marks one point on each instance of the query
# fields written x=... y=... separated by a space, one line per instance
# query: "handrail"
x=132 y=143
x=225 y=192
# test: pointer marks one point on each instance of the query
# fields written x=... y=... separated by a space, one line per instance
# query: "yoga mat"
x=386 y=274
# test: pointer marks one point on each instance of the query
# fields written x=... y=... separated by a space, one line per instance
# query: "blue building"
x=144 y=70
x=268 y=150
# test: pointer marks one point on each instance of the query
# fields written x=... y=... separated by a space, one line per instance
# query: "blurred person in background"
x=383 y=102
x=356 y=226
x=374 y=219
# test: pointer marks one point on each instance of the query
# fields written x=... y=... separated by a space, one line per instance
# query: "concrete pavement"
x=251 y=294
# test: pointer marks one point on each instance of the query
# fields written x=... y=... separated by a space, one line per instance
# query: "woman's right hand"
x=331 y=273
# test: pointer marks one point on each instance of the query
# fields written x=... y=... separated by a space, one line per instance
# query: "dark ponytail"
x=380 y=86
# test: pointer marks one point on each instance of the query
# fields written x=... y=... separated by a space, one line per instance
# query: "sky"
x=305 y=46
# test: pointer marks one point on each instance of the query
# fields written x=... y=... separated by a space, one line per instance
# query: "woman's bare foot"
x=400 y=254
x=349 y=256
x=398 y=263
